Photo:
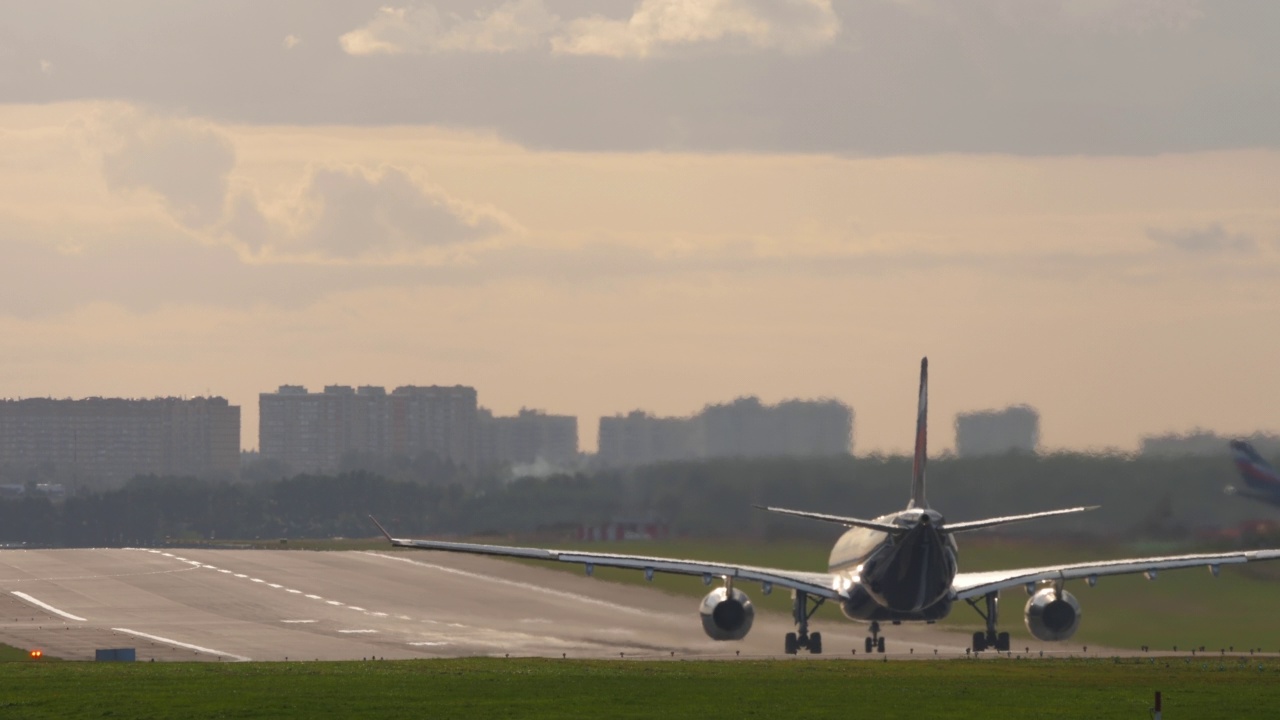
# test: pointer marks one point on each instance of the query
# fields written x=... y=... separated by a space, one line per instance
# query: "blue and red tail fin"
x=922 y=433
x=1254 y=470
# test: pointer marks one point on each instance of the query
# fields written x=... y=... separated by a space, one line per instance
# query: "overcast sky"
x=592 y=206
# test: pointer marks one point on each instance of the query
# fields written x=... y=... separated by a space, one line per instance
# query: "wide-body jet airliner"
x=897 y=567
x=1261 y=480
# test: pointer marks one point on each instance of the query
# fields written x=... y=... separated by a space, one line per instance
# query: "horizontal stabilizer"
x=992 y=522
x=846 y=521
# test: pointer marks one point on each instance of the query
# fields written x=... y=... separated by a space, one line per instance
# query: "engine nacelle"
x=726 y=614
x=1052 y=614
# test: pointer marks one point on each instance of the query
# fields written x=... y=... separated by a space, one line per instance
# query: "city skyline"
x=647 y=204
x=942 y=441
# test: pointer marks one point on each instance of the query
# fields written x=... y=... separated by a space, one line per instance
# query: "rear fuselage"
x=897 y=576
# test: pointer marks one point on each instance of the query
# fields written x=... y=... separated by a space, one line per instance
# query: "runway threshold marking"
x=179 y=644
x=47 y=606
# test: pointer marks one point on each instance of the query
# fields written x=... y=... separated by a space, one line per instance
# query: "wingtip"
x=384 y=530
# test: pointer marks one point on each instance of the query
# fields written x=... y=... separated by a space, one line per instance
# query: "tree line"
x=1163 y=498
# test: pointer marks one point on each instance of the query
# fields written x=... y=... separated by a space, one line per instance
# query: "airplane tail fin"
x=922 y=430
x=1254 y=470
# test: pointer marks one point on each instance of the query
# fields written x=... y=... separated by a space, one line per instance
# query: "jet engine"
x=727 y=614
x=1052 y=614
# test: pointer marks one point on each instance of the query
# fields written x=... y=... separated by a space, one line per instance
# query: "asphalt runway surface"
x=239 y=605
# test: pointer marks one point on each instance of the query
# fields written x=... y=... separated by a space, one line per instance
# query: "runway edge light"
x=36 y=654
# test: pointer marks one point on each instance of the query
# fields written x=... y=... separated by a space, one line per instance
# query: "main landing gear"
x=802 y=608
x=990 y=640
x=875 y=643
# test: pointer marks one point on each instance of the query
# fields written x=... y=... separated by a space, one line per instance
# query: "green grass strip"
x=1110 y=688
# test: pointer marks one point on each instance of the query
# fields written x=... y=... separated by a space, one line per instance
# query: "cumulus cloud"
x=184 y=162
x=792 y=25
x=354 y=212
x=516 y=25
x=1211 y=238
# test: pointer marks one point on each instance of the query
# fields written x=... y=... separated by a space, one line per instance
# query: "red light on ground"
x=37 y=654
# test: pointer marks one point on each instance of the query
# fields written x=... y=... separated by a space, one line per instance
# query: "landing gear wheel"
x=979 y=642
x=871 y=646
x=803 y=606
x=880 y=644
x=1002 y=642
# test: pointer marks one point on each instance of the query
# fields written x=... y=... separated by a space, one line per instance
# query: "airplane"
x=893 y=568
x=1261 y=480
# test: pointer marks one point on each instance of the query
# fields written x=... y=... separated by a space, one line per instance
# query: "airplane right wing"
x=826 y=585
x=977 y=584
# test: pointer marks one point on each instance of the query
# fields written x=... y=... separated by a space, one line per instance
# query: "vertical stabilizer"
x=922 y=431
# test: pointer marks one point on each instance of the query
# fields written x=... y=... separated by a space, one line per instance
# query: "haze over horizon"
x=593 y=207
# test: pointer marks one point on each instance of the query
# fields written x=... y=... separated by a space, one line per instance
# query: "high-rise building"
x=106 y=440
x=317 y=432
x=743 y=428
x=639 y=438
x=998 y=432
x=534 y=435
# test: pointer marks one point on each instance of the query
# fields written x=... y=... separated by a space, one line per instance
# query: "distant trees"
x=1144 y=496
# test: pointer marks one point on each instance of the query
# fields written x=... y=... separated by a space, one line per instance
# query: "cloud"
x=184 y=162
x=513 y=26
x=793 y=25
x=1208 y=239
x=348 y=212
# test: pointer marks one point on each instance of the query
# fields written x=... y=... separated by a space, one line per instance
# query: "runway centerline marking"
x=297 y=622
x=47 y=606
x=358 y=632
x=314 y=597
x=179 y=644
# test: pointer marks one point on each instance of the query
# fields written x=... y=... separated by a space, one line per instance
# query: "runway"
x=240 y=605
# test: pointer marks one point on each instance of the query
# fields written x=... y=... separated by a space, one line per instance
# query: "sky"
x=594 y=206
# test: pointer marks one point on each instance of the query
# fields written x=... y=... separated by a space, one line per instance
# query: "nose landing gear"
x=874 y=643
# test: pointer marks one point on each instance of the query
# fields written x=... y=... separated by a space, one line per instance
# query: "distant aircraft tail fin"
x=1254 y=470
x=922 y=431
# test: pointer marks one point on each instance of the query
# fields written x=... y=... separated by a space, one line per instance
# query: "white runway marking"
x=297 y=621
x=428 y=644
x=241 y=575
x=358 y=632
x=314 y=597
x=356 y=608
x=186 y=646
x=295 y=592
x=274 y=585
x=46 y=606
x=522 y=586
x=334 y=602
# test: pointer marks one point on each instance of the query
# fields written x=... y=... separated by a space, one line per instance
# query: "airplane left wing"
x=826 y=585
x=977 y=584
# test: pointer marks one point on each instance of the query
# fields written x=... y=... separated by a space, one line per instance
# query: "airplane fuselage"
x=904 y=576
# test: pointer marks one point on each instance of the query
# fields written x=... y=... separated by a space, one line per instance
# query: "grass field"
x=1229 y=688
